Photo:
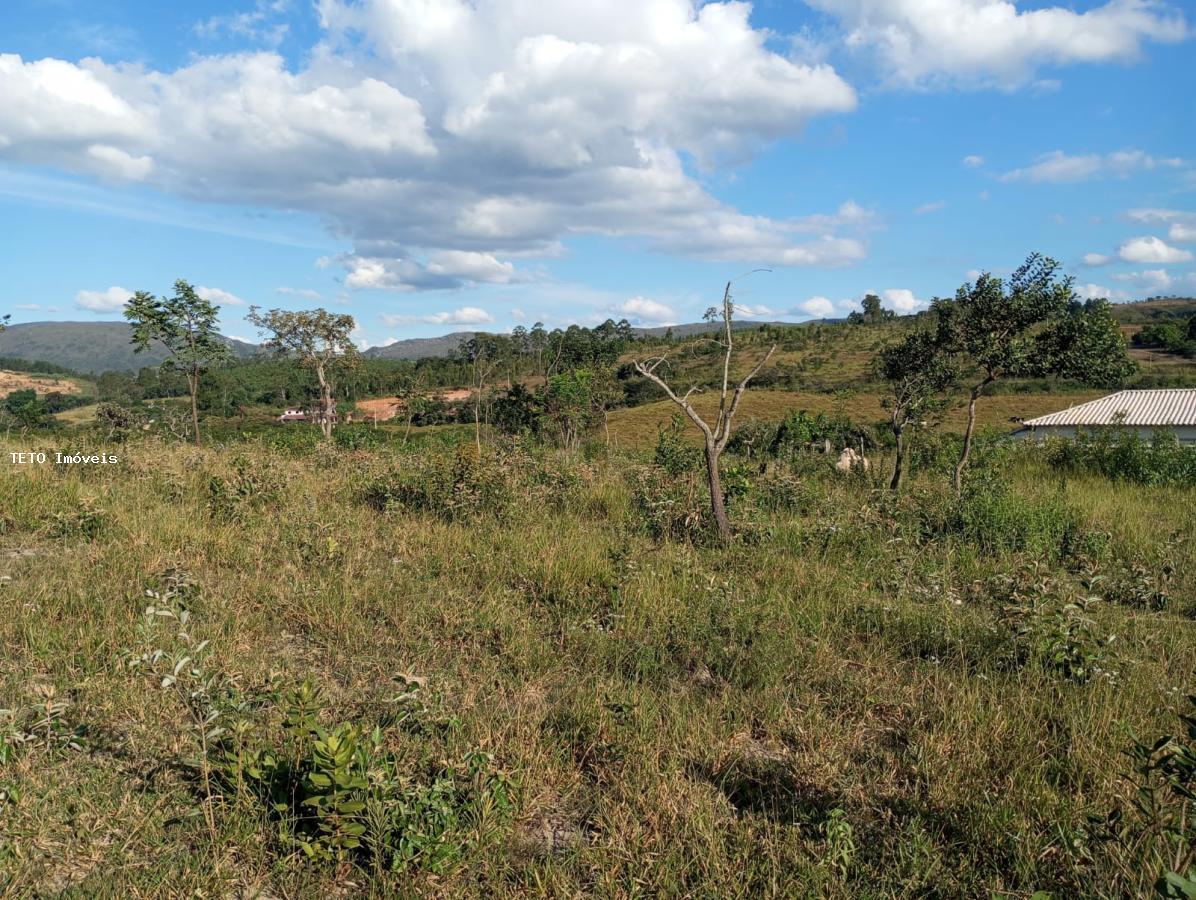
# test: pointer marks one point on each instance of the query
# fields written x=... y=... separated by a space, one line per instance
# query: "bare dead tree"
x=718 y=433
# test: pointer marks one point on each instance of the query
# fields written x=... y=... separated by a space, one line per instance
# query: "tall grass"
x=863 y=695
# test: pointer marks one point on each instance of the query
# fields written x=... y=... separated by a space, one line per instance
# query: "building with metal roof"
x=1145 y=411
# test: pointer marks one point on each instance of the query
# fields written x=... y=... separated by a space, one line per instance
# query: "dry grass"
x=42 y=384
x=681 y=720
x=636 y=428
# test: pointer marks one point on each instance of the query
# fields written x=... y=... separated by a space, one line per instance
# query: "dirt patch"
x=42 y=384
x=386 y=408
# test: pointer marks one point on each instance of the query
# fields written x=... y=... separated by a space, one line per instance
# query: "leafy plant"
x=1150 y=838
x=85 y=521
x=47 y=724
x=336 y=792
x=840 y=843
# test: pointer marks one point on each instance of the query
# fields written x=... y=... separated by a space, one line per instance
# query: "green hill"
x=1155 y=309
x=88 y=347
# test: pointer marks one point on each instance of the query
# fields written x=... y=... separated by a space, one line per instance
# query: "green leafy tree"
x=1087 y=345
x=605 y=394
x=872 y=312
x=185 y=324
x=1169 y=336
x=26 y=407
x=518 y=411
x=319 y=341
x=716 y=434
x=569 y=406
x=483 y=354
x=919 y=370
x=995 y=326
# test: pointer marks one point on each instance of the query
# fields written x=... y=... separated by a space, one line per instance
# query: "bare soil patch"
x=43 y=384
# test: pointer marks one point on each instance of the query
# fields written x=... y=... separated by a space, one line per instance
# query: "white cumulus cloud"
x=1093 y=292
x=466 y=315
x=973 y=161
x=216 y=295
x=1096 y=259
x=818 y=307
x=650 y=312
x=902 y=300
x=111 y=300
x=991 y=43
x=1150 y=249
x=448 y=141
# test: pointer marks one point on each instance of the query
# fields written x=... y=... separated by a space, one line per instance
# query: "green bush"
x=669 y=507
x=358 y=437
x=340 y=795
x=335 y=792
x=252 y=483
x=993 y=517
x=1121 y=454
x=672 y=453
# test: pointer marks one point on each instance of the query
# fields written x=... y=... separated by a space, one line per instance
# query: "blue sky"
x=431 y=167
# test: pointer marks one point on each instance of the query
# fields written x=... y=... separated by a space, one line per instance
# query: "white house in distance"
x=1143 y=411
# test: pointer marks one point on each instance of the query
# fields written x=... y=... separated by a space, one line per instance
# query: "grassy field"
x=860 y=697
x=637 y=427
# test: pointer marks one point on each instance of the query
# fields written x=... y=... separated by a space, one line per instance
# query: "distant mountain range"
x=88 y=347
x=94 y=347
x=420 y=348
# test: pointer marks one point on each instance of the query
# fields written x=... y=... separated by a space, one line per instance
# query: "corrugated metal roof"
x=1153 y=407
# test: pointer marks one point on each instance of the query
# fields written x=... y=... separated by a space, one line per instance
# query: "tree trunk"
x=193 y=385
x=717 y=507
x=899 y=463
x=967 y=438
x=327 y=406
x=477 y=422
x=329 y=412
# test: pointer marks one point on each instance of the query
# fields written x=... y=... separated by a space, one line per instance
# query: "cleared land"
x=42 y=384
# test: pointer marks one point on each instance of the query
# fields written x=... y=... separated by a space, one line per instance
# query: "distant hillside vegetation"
x=421 y=348
x=1155 y=309
x=88 y=347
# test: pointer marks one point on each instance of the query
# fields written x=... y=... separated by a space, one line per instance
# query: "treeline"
x=35 y=367
x=1172 y=337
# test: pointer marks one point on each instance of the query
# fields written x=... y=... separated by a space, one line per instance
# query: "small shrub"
x=114 y=422
x=993 y=517
x=672 y=453
x=358 y=437
x=251 y=484
x=455 y=485
x=47 y=724
x=669 y=508
x=780 y=491
x=87 y=522
x=1055 y=632
x=336 y=792
x=840 y=843
x=341 y=796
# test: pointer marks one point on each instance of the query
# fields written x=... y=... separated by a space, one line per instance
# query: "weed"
x=1149 y=840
